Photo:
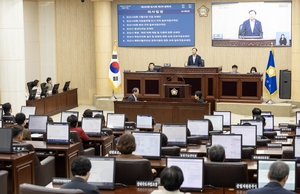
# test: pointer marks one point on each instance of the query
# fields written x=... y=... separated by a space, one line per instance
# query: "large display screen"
x=156 y=25
x=251 y=23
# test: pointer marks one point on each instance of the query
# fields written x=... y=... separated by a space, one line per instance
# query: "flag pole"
x=270 y=101
x=113 y=97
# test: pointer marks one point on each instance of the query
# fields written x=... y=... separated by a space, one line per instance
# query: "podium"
x=177 y=90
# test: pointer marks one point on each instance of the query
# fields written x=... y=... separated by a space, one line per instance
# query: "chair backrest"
x=240 y=30
x=74 y=136
x=194 y=140
x=262 y=142
x=157 y=68
x=225 y=174
x=170 y=151
x=247 y=153
x=270 y=134
x=29 y=85
x=128 y=171
x=3 y=181
x=30 y=148
x=34 y=189
x=287 y=154
x=43 y=84
x=203 y=62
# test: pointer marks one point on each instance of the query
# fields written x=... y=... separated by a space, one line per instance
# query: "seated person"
x=49 y=84
x=72 y=119
x=126 y=145
x=134 y=95
x=278 y=175
x=49 y=119
x=17 y=134
x=216 y=153
x=234 y=69
x=164 y=140
x=198 y=97
x=80 y=168
x=256 y=112
x=151 y=67
x=171 y=179
x=35 y=86
x=88 y=113
x=7 y=109
x=253 y=70
x=21 y=122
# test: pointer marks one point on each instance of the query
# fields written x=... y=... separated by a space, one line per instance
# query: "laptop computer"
x=198 y=127
x=148 y=144
x=37 y=123
x=102 y=173
x=258 y=123
x=269 y=122
x=92 y=126
x=95 y=112
x=176 y=133
x=28 y=110
x=115 y=121
x=6 y=136
x=232 y=144
x=226 y=117
x=217 y=122
x=58 y=133
x=192 y=169
x=65 y=114
x=144 y=121
x=248 y=133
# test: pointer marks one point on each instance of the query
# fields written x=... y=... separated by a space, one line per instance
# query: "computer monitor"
x=115 y=121
x=66 y=86
x=248 y=133
x=232 y=144
x=269 y=122
x=65 y=114
x=28 y=110
x=176 y=133
x=226 y=117
x=95 y=112
x=192 y=169
x=55 y=89
x=102 y=173
x=297 y=117
x=297 y=131
x=144 y=121
x=37 y=123
x=217 y=121
x=296 y=149
x=58 y=133
x=263 y=113
x=198 y=127
x=148 y=144
x=263 y=167
x=258 y=123
x=6 y=140
x=91 y=126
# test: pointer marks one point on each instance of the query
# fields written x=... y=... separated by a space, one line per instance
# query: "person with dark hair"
x=80 y=168
x=171 y=179
x=253 y=70
x=49 y=119
x=164 y=140
x=151 y=67
x=282 y=40
x=73 y=120
x=35 y=86
x=234 y=69
x=134 y=95
x=256 y=112
x=49 y=84
x=126 y=145
x=17 y=134
x=216 y=153
x=88 y=113
x=252 y=26
x=21 y=122
x=194 y=59
x=102 y=119
x=198 y=97
x=7 y=109
x=278 y=175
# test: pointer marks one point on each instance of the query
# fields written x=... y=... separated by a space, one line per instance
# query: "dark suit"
x=200 y=101
x=270 y=188
x=198 y=61
x=246 y=29
x=79 y=183
x=131 y=98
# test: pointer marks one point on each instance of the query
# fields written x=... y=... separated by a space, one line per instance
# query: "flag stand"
x=270 y=102
x=113 y=97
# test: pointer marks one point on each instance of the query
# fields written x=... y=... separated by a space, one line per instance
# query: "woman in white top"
x=35 y=86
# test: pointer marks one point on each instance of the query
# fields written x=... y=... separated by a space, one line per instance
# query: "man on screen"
x=194 y=59
x=252 y=27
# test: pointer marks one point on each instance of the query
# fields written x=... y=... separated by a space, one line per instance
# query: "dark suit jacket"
x=79 y=183
x=257 y=31
x=131 y=98
x=200 y=101
x=198 y=61
x=270 y=188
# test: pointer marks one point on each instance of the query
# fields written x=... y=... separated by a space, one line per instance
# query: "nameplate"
x=283 y=125
x=114 y=152
x=281 y=137
x=274 y=145
x=58 y=180
x=146 y=184
x=245 y=186
x=208 y=144
x=286 y=129
x=188 y=155
x=260 y=157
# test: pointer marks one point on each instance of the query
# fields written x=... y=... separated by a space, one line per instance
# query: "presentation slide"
x=156 y=25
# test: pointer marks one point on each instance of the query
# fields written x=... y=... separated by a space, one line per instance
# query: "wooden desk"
x=54 y=104
x=273 y=152
x=20 y=171
x=105 y=141
x=64 y=155
x=163 y=112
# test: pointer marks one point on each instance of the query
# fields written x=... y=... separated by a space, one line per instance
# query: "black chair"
x=170 y=151
x=29 y=85
x=203 y=62
x=157 y=68
x=43 y=84
x=247 y=153
x=270 y=134
x=262 y=142
x=287 y=154
x=3 y=181
x=194 y=140
x=74 y=136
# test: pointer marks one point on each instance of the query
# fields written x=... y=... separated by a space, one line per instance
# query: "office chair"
x=247 y=153
x=203 y=62
x=29 y=85
x=128 y=171
x=34 y=189
x=74 y=136
x=3 y=181
x=287 y=154
x=270 y=134
x=262 y=142
x=157 y=68
x=194 y=140
x=43 y=84
x=170 y=151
